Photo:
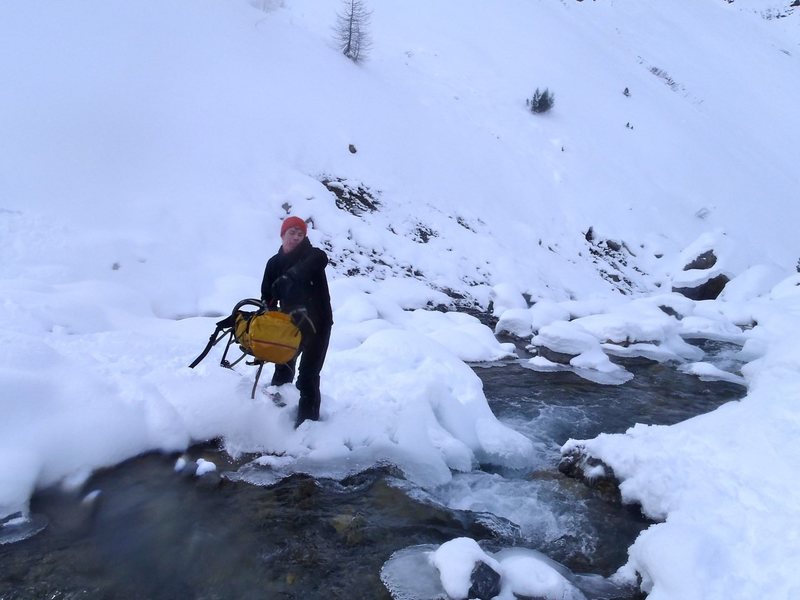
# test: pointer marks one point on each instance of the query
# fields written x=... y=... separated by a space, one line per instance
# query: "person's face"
x=291 y=238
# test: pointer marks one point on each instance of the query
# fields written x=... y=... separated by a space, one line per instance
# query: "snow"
x=523 y=573
x=455 y=560
x=505 y=296
x=150 y=151
x=708 y=372
x=90 y=498
x=532 y=577
x=204 y=466
x=728 y=466
x=399 y=397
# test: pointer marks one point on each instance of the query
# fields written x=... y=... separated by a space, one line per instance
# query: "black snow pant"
x=312 y=357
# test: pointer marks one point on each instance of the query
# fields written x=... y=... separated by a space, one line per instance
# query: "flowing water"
x=155 y=534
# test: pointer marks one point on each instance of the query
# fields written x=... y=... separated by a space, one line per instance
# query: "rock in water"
x=484 y=582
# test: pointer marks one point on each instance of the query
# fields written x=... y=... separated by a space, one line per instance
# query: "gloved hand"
x=281 y=287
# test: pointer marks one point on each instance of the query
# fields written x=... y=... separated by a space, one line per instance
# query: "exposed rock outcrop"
x=704 y=286
x=708 y=290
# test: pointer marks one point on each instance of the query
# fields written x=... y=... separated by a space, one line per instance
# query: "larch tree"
x=351 y=30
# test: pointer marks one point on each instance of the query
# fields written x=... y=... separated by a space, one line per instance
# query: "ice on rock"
x=428 y=572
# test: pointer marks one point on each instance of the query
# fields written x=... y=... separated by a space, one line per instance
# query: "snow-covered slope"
x=149 y=151
x=183 y=129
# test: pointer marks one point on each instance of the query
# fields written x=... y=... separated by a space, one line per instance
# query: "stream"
x=153 y=533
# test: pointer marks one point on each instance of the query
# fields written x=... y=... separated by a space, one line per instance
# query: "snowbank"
x=428 y=572
x=731 y=466
x=394 y=390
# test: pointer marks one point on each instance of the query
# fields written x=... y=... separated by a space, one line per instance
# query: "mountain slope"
x=168 y=124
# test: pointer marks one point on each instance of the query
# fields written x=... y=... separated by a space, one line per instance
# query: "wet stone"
x=209 y=481
x=484 y=582
x=602 y=480
x=350 y=528
x=561 y=358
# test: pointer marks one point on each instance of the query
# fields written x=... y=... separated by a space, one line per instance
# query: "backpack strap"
x=259 y=304
x=255 y=383
x=225 y=326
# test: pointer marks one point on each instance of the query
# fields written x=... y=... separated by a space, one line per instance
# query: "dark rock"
x=484 y=582
x=571 y=464
x=575 y=464
x=187 y=470
x=422 y=234
x=568 y=548
x=299 y=490
x=209 y=481
x=352 y=149
x=709 y=290
x=560 y=358
x=350 y=197
x=705 y=261
x=463 y=222
x=671 y=312
x=350 y=528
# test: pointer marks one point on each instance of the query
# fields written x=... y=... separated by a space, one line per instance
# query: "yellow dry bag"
x=266 y=335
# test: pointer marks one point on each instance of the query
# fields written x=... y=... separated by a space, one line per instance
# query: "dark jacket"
x=307 y=287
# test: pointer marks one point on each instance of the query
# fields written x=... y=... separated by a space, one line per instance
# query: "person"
x=295 y=279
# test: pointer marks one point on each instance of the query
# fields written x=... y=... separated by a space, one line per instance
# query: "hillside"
x=188 y=150
x=150 y=151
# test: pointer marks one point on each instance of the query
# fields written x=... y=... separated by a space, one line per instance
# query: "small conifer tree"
x=351 y=30
x=541 y=101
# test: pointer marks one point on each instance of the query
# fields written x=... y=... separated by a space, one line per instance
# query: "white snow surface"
x=522 y=573
x=720 y=481
x=150 y=150
x=204 y=466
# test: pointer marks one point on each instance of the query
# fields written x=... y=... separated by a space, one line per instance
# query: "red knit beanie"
x=290 y=222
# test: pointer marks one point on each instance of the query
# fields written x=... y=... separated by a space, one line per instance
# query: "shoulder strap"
x=225 y=327
x=212 y=341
